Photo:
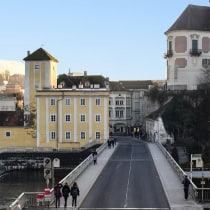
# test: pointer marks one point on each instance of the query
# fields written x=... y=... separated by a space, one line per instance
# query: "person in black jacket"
x=186 y=183
x=74 y=193
x=57 y=193
x=65 y=192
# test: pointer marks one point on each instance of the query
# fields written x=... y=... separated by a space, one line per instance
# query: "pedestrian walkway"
x=170 y=181
x=89 y=176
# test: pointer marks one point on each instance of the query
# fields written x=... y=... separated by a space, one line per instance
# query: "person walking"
x=74 y=193
x=94 y=154
x=186 y=183
x=57 y=193
x=65 y=191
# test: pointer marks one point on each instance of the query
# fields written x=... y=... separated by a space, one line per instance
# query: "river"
x=14 y=183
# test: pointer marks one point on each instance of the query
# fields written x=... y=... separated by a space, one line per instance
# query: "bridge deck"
x=170 y=181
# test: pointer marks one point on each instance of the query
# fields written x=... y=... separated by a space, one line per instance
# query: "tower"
x=40 y=73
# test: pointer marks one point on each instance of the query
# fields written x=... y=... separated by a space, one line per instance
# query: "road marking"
x=129 y=173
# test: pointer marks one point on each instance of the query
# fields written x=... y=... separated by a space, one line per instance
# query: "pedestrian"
x=65 y=191
x=94 y=157
x=186 y=183
x=74 y=193
x=109 y=143
x=57 y=193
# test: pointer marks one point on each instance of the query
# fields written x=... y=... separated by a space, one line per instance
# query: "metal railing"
x=193 y=190
x=29 y=199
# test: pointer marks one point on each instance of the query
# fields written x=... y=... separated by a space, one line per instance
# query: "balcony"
x=195 y=52
x=168 y=54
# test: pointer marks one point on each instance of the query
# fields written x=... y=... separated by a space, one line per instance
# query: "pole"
x=53 y=175
x=191 y=166
x=202 y=184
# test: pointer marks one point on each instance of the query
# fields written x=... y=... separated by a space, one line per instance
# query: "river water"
x=14 y=183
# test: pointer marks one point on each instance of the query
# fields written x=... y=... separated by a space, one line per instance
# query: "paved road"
x=129 y=180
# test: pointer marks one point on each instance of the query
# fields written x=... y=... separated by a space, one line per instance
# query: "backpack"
x=65 y=190
x=74 y=191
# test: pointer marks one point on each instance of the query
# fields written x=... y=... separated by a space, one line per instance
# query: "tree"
x=30 y=119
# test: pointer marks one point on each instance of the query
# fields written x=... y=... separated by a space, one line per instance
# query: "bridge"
x=131 y=175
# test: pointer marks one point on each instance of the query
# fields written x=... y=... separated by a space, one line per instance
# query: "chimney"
x=85 y=73
x=28 y=53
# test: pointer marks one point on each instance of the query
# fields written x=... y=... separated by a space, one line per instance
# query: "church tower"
x=40 y=73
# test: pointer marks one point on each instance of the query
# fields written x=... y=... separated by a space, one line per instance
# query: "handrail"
x=193 y=190
x=29 y=199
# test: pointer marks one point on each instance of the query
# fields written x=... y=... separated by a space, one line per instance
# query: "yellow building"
x=66 y=117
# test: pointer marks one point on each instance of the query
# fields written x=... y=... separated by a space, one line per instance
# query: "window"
x=110 y=113
x=52 y=102
x=53 y=135
x=119 y=113
x=52 y=118
x=98 y=101
x=170 y=45
x=206 y=63
x=119 y=102
x=7 y=133
x=82 y=118
x=194 y=44
x=68 y=101
x=98 y=117
x=82 y=135
x=37 y=66
x=98 y=135
x=68 y=135
x=82 y=101
x=68 y=117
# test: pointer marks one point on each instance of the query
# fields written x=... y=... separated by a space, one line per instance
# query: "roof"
x=86 y=80
x=193 y=18
x=130 y=84
x=40 y=55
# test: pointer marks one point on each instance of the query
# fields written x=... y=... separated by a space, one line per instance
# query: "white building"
x=127 y=103
x=188 y=48
x=7 y=104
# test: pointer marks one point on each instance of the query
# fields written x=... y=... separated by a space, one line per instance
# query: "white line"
x=126 y=196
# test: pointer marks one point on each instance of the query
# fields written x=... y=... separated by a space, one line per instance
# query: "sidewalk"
x=87 y=179
x=171 y=183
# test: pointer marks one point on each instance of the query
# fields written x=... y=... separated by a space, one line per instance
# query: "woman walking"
x=74 y=193
x=65 y=191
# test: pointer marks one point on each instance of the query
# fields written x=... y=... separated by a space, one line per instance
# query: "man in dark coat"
x=186 y=183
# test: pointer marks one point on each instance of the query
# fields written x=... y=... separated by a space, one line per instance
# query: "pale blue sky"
x=121 y=39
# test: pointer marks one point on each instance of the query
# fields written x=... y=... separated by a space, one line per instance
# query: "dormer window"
x=87 y=84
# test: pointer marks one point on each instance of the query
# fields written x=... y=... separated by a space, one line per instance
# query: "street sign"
x=47 y=173
x=56 y=162
x=47 y=163
x=203 y=182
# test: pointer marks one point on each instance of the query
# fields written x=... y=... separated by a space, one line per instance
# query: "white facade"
x=184 y=69
x=7 y=104
x=156 y=131
x=119 y=111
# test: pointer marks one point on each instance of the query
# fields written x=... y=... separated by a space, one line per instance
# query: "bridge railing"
x=29 y=199
x=193 y=190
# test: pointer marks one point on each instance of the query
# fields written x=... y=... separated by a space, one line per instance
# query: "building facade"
x=188 y=48
x=128 y=105
x=66 y=117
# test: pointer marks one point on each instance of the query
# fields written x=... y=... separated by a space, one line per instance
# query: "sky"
x=120 y=39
